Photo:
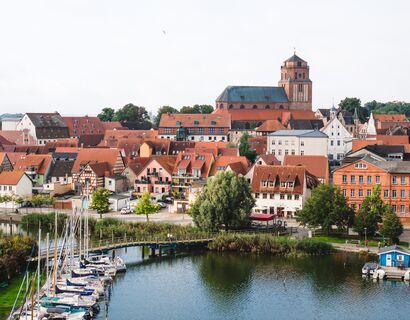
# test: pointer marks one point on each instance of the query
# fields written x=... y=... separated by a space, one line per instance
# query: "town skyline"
x=158 y=54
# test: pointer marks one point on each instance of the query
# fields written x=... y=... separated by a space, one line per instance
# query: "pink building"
x=156 y=176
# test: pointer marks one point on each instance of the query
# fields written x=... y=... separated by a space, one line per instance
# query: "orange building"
x=358 y=178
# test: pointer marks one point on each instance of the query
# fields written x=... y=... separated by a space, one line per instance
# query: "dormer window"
x=242 y=98
x=264 y=183
x=283 y=184
x=201 y=157
x=186 y=157
x=213 y=122
x=290 y=184
x=196 y=122
x=271 y=184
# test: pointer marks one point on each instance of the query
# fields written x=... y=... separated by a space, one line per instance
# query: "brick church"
x=249 y=106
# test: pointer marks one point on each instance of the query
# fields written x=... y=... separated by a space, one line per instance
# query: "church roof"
x=253 y=94
x=295 y=58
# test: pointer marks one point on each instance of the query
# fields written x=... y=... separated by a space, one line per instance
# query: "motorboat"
x=369 y=268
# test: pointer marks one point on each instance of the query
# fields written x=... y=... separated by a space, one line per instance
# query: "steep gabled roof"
x=100 y=168
x=11 y=177
x=316 y=165
x=270 y=126
x=61 y=168
x=238 y=164
x=93 y=155
x=41 y=161
x=195 y=120
x=166 y=162
x=138 y=164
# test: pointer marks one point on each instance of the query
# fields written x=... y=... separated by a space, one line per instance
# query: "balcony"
x=152 y=174
x=142 y=182
x=162 y=182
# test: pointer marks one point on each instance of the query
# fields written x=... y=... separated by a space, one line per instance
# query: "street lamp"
x=365 y=237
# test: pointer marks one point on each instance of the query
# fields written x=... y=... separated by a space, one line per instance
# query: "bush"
x=47 y=221
x=266 y=243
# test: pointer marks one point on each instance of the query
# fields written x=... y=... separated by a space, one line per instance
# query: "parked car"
x=169 y=200
x=125 y=211
x=162 y=204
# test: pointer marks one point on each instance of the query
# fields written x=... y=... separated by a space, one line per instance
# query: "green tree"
x=352 y=104
x=161 y=111
x=392 y=227
x=326 y=207
x=197 y=108
x=370 y=213
x=146 y=206
x=225 y=200
x=99 y=200
x=107 y=114
x=244 y=148
x=131 y=113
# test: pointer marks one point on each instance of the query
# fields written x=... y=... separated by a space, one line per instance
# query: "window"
x=296 y=197
x=369 y=179
x=271 y=184
x=394 y=208
x=344 y=178
x=402 y=193
x=402 y=209
x=302 y=152
x=403 y=180
x=264 y=195
x=344 y=193
x=302 y=143
x=286 y=142
x=400 y=257
x=283 y=184
x=211 y=130
x=361 y=193
x=282 y=196
x=293 y=152
x=213 y=122
x=394 y=179
x=264 y=183
x=221 y=130
x=279 y=152
x=280 y=142
x=286 y=151
x=369 y=192
x=289 y=197
x=360 y=179
x=386 y=193
x=179 y=123
x=394 y=193
x=331 y=142
x=256 y=195
x=200 y=130
x=352 y=192
x=338 y=142
x=378 y=179
x=196 y=122
x=360 y=166
x=272 y=196
x=273 y=142
x=352 y=179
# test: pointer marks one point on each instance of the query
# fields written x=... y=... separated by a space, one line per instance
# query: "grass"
x=8 y=295
x=341 y=238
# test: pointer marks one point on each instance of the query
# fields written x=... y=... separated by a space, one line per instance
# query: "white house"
x=15 y=183
x=44 y=127
x=297 y=142
x=339 y=142
x=281 y=190
x=9 y=122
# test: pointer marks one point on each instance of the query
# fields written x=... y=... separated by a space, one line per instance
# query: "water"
x=233 y=286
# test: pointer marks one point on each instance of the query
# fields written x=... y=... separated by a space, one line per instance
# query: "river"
x=235 y=286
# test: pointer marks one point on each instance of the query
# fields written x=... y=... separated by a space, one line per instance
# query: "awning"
x=261 y=216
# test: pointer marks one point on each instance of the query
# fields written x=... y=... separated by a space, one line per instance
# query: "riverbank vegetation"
x=46 y=220
x=266 y=243
x=14 y=251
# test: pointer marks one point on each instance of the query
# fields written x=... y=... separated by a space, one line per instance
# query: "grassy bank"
x=7 y=296
x=265 y=243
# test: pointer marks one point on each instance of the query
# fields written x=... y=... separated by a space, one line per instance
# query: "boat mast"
x=39 y=262
x=81 y=227
x=47 y=268
x=55 y=255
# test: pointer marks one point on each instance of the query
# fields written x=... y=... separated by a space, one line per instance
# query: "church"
x=250 y=106
x=294 y=91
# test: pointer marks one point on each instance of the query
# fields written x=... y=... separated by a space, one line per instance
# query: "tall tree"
x=352 y=104
x=161 y=111
x=326 y=207
x=225 y=200
x=245 y=149
x=99 y=200
x=132 y=113
x=145 y=206
x=197 y=108
x=107 y=114
x=370 y=213
x=392 y=227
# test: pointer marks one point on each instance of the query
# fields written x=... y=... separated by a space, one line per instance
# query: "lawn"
x=342 y=239
x=8 y=295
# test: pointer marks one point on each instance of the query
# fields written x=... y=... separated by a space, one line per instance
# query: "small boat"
x=369 y=268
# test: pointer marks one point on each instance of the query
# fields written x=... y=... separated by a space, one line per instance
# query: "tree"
x=392 y=227
x=99 y=200
x=197 y=108
x=131 y=113
x=244 y=148
x=370 y=213
x=352 y=104
x=225 y=200
x=107 y=114
x=326 y=207
x=146 y=206
x=161 y=111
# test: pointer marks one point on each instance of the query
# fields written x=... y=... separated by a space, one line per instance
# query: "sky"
x=79 y=56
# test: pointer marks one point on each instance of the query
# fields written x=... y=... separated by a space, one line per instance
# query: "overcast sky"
x=78 y=56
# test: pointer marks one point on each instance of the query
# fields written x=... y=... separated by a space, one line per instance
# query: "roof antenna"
x=294 y=50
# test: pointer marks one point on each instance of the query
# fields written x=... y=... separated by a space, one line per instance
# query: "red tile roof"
x=259 y=144
x=278 y=174
x=10 y=177
x=262 y=115
x=40 y=162
x=185 y=160
x=18 y=137
x=271 y=126
x=166 y=162
x=195 y=120
x=138 y=164
x=238 y=164
x=101 y=169
x=358 y=144
x=316 y=165
x=111 y=125
x=269 y=159
x=389 y=117
x=84 y=125
x=393 y=140
x=15 y=156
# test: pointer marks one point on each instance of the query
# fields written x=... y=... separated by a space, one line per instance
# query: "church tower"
x=295 y=80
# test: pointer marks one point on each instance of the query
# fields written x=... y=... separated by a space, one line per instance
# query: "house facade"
x=281 y=190
x=357 y=180
x=195 y=127
x=340 y=139
x=15 y=183
x=297 y=142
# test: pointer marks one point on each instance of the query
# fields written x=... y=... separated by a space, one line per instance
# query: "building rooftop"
x=247 y=94
x=299 y=133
